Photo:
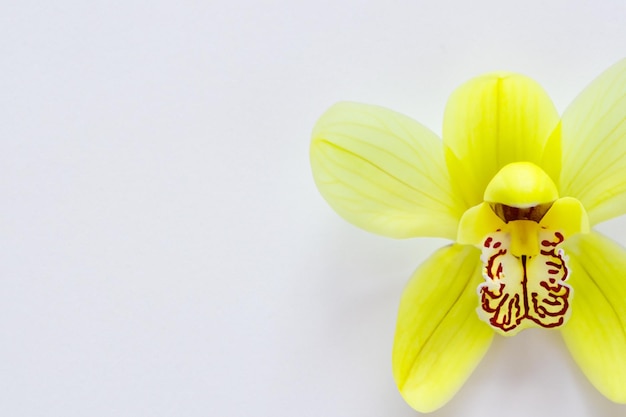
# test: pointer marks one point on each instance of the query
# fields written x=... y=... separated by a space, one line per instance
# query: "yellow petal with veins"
x=383 y=172
x=439 y=337
x=494 y=120
x=596 y=332
x=594 y=146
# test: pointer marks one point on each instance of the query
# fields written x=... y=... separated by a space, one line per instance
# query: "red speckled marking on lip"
x=508 y=299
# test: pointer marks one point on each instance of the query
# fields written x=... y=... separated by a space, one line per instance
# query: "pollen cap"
x=522 y=185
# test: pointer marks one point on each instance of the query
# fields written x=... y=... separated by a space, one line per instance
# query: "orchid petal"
x=383 y=172
x=494 y=120
x=594 y=146
x=439 y=337
x=596 y=331
x=476 y=223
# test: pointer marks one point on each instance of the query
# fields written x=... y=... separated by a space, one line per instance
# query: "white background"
x=164 y=251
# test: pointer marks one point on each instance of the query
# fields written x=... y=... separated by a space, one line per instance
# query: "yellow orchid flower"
x=516 y=188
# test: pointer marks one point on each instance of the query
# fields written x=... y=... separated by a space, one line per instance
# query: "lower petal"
x=439 y=337
x=596 y=332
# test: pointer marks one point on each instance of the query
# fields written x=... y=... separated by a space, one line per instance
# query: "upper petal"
x=439 y=337
x=596 y=331
x=594 y=146
x=383 y=172
x=494 y=120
